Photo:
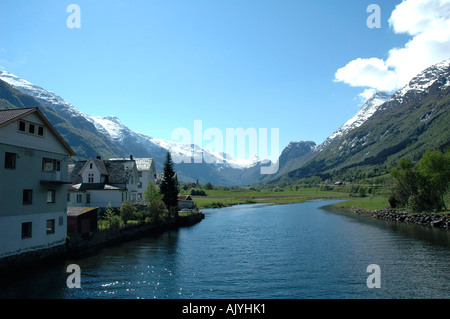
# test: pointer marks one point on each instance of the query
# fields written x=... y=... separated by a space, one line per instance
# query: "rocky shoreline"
x=424 y=219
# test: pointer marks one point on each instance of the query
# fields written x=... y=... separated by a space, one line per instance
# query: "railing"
x=54 y=176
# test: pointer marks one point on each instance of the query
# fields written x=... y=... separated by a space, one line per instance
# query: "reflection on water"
x=259 y=251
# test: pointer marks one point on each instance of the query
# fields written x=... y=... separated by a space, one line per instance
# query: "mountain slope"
x=83 y=141
x=365 y=112
x=109 y=137
x=413 y=120
x=222 y=169
x=297 y=154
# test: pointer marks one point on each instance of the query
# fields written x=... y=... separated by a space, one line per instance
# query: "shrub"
x=127 y=211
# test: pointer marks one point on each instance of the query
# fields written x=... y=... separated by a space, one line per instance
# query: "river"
x=297 y=251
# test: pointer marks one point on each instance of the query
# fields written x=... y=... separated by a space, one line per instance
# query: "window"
x=88 y=198
x=50 y=226
x=68 y=197
x=79 y=198
x=22 y=126
x=31 y=128
x=51 y=194
x=49 y=164
x=90 y=178
x=26 y=230
x=61 y=220
x=27 y=197
x=10 y=160
x=90 y=166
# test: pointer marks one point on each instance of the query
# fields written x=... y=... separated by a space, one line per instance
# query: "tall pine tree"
x=169 y=186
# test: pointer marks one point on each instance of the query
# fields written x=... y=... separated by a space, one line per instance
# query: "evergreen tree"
x=169 y=186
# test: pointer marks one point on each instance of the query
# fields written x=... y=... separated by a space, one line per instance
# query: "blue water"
x=296 y=251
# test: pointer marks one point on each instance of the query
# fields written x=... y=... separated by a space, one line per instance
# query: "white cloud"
x=428 y=22
x=366 y=94
x=373 y=73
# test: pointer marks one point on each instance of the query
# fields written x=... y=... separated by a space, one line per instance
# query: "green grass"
x=367 y=203
x=224 y=198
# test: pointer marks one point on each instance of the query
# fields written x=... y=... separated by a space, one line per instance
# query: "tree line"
x=421 y=187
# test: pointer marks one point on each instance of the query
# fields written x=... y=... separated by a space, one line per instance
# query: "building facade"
x=102 y=183
x=33 y=183
x=146 y=175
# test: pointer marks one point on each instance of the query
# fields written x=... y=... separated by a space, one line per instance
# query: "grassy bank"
x=366 y=203
x=373 y=203
x=224 y=198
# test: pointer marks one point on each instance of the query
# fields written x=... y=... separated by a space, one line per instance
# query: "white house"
x=146 y=174
x=100 y=183
x=33 y=191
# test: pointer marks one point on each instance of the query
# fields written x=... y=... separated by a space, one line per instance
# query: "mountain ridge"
x=413 y=120
x=89 y=138
x=356 y=144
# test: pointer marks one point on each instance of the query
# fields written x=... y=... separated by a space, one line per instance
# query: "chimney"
x=131 y=157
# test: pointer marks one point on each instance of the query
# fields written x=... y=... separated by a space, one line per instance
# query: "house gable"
x=94 y=171
x=29 y=128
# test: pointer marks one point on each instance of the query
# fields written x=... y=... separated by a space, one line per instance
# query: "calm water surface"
x=258 y=251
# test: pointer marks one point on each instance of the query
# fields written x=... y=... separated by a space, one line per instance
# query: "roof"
x=77 y=211
x=11 y=115
x=184 y=197
x=94 y=186
x=100 y=165
x=142 y=164
x=117 y=171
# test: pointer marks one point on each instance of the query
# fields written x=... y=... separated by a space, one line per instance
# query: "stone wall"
x=77 y=245
x=31 y=258
x=424 y=219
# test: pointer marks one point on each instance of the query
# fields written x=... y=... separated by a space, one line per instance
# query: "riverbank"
x=438 y=220
x=220 y=198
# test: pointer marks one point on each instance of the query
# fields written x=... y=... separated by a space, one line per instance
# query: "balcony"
x=54 y=177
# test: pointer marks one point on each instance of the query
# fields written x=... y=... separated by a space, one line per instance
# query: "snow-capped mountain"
x=413 y=120
x=365 y=112
x=218 y=168
x=115 y=129
x=437 y=76
x=45 y=97
x=419 y=86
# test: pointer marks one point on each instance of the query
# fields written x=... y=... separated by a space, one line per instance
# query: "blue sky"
x=160 y=65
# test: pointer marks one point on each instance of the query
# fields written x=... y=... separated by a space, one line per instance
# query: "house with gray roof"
x=100 y=183
x=146 y=174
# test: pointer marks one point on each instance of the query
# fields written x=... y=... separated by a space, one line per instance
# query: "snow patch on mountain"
x=421 y=84
x=365 y=112
x=45 y=97
x=112 y=126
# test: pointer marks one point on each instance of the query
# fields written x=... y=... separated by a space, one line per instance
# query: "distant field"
x=223 y=198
